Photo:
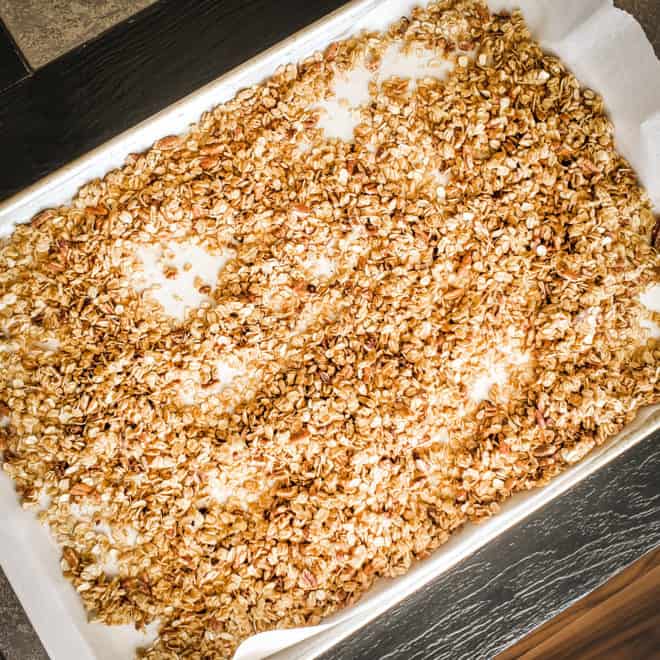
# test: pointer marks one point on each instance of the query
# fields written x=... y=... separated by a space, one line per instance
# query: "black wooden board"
x=12 y=65
x=137 y=68
x=527 y=575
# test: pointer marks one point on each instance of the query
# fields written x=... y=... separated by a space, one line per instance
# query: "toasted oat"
x=423 y=321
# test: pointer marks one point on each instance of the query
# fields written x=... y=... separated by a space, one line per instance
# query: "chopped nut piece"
x=170 y=272
x=71 y=558
x=80 y=489
x=167 y=143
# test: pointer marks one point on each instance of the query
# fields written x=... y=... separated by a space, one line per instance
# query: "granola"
x=411 y=326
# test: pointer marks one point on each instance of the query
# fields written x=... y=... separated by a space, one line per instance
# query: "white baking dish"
x=604 y=47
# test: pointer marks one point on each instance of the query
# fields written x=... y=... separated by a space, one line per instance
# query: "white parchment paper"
x=603 y=46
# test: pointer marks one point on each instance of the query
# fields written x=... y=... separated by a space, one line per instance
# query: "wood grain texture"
x=91 y=94
x=529 y=574
x=620 y=620
x=12 y=65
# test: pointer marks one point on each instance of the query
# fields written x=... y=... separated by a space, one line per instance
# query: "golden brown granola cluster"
x=478 y=331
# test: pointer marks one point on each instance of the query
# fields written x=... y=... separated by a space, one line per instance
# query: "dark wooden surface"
x=12 y=65
x=492 y=598
x=618 y=621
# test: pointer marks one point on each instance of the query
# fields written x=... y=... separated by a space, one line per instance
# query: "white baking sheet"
x=603 y=46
